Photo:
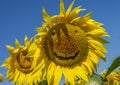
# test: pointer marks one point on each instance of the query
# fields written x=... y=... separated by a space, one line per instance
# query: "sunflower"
x=113 y=78
x=70 y=45
x=20 y=64
x=1 y=77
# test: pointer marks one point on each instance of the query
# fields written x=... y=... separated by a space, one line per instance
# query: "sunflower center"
x=68 y=44
x=24 y=62
x=66 y=48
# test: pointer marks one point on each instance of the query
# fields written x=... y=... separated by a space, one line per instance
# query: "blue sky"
x=20 y=17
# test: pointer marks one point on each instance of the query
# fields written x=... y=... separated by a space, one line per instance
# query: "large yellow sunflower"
x=20 y=64
x=69 y=45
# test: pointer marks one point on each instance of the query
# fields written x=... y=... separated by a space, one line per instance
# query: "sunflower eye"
x=53 y=33
x=76 y=31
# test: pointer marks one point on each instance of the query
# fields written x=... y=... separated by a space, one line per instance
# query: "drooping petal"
x=97 y=45
x=100 y=54
x=50 y=73
x=57 y=75
x=88 y=68
x=69 y=76
x=80 y=73
x=93 y=57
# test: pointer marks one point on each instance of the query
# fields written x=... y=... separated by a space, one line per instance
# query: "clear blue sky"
x=20 y=17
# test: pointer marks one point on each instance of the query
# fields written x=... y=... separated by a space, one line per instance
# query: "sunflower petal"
x=80 y=73
x=36 y=55
x=93 y=57
x=69 y=76
x=17 y=43
x=39 y=67
x=46 y=17
x=100 y=54
x=88 y=67
x=69 y=9
x=99 y=39
x=41 y=31
x=97 y=45
x=10 y=49
x=98 y=32
x=87 y=16
x=74 y=13
x=25 y=39
x=93 y=22
x=57 y=75
x=16 y=77
x=50 y=73
x=62 y=8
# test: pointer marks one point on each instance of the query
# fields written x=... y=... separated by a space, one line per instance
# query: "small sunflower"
x=1 y=78
x=113 y=78
x=20 y=64
x=70 y=45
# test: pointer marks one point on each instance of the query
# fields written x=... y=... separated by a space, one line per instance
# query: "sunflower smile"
x=67 y=57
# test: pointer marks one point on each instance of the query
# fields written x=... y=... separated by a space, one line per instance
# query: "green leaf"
x=44 y=82
x=113 y=66
x=94 y=78
x=119 y=83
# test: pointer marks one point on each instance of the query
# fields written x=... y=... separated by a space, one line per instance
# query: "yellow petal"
x=50 y=73
x=69 y=76
x=16 y=51
x=17 y=43
x=97 y=45
x=21 y=79
x=36 y=55
x=10 y=49
x=46 y=17
x=80 y=73
x=100 y=54
x=99 y=39
x=39 y=67
x=69 y=9
x=16 y=77
x=41 y=31
x=98 y=32
x=87 y=16
x=62 y=9
x=26 y=42
x=74 y=13
x=25 y=39
x=93 y=57
x=57 y=75
x=93 y=22
x=87 y=65
x=32 y=48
